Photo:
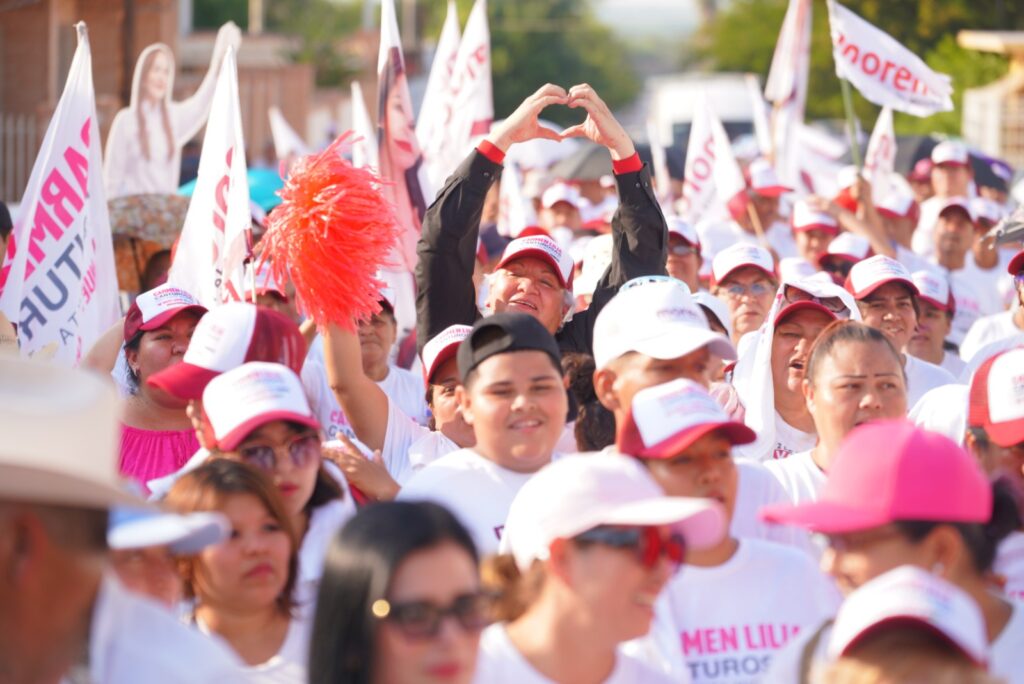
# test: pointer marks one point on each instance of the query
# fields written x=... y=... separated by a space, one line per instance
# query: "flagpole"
x=851 y=127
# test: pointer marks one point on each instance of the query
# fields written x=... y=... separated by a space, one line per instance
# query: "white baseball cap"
x=898 y=204
x=185 y=534
x=961 y=203
x=597 y=257
x=152 y=309
x=763 y=179
x=997 y=398
x=242 y=399
x=870 y=274
x=933 y=289
x=60 y=437
x=265 y=282
x=580 y=492
x=684 y=229
x=561 y=192
x=807 y=218
x=738 y=256
x=226 y=337
x=666 y=419
x=910 y=598
x=950 y=152
x=544 y=248
x=987 y=210
x=442 y=347
x=657 y=319
x=795 y=268
x=849 y=246
x=717 y=307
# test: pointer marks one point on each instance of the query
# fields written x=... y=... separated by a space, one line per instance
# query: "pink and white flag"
x=216 y=239
x=435 y=110
x=515 y=212
x=399 y=155
x=786 y=88
x=882 y=69
x=59 y=282
x=364 y=146
x=712 y=176
x=880 y=158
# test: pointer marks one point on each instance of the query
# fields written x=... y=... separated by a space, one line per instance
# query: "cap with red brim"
x=806 y=305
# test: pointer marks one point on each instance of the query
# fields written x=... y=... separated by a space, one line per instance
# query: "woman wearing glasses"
x=743 y=276
x=769 y=374
x=258 y=413
x=243 y=587
x=400 y=601
x=591 y=542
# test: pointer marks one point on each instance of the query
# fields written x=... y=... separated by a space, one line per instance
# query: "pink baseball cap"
x=870 y=274
x=561 y=192
x=152 y=309
x=225 y=338
x=544 y=248
x=996 y=399
x=892 y=470
x=763 y=179
x=899 y=205
x=684 y=229
x=910 y=597
x=580 y=492
x=950 y=152
x=805 y=218
x=738 y=256
x=242 y=399
x=666 y=419
x=934 y=289
x=847 y=246
x=442 y=347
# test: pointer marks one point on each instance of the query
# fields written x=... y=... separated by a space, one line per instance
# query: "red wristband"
x=630 y=164
x=491 y=151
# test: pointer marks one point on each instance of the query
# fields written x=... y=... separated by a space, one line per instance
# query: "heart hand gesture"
x=600 y=125
x=523 y=124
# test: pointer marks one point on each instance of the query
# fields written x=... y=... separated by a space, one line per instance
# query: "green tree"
x=742 y=38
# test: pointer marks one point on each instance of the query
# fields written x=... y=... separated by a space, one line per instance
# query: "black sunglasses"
x=422 y=619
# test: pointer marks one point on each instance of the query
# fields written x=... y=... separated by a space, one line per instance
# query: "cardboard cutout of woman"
x=143 y=152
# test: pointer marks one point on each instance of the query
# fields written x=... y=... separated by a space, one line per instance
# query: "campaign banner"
x=880 y=158
x=786 y=88
x=435 y=110
x=59 y=282
x=883 y=70
x=712 y=175
x=216 y=239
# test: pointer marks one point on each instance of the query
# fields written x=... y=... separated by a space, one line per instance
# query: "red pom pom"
x=331 y=233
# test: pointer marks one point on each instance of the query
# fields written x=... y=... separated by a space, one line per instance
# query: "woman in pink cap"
x=242 y=589
x=899 y=495
x=158 y=436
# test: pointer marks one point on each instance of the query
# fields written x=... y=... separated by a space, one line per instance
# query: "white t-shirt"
x=952 y=364
x=499 y=662
x=477 y=490
x=987 y=330
x=1005 y=658
x=756 y=488
x=802 y=480
x=728 y=621
x=409 y=447
x=288 y=665
x=1010 y=565
x=972 y=302
x=789 y=440
x=133 y=639
x=324 y=523
x=923 y=376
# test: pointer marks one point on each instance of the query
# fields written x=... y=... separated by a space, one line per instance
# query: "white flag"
x=216 y=238
x=762 y=127
x=712 y=175
x=59 y=282
x=786 y=88
x=435 y=110
x=515 y=212
x=659 y=160
x=470 y=98
x=880 y=159
x=884 y=71
x=364 y=147
x=286 y=141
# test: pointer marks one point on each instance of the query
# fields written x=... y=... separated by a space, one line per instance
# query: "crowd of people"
x=782 y=442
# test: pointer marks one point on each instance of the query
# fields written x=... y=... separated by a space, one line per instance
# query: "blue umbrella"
x=263 y=187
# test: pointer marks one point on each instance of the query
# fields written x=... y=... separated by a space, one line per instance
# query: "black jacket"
x=447 y=251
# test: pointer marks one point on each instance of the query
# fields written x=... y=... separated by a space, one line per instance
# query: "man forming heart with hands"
x=534 y=275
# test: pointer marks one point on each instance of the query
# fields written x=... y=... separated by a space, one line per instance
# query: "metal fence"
x=19 y=144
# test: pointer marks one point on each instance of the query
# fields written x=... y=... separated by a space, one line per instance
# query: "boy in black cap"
x=513 y=396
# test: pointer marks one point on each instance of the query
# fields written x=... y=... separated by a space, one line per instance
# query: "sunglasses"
x=792 y=295
x=840 y=267
x=302 y=450
x=646 y=543
x=422 y=619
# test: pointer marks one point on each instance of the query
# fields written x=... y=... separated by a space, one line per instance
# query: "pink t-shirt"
x=149 y=454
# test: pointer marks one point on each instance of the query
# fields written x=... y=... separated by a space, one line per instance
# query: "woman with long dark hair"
x=392 y=578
